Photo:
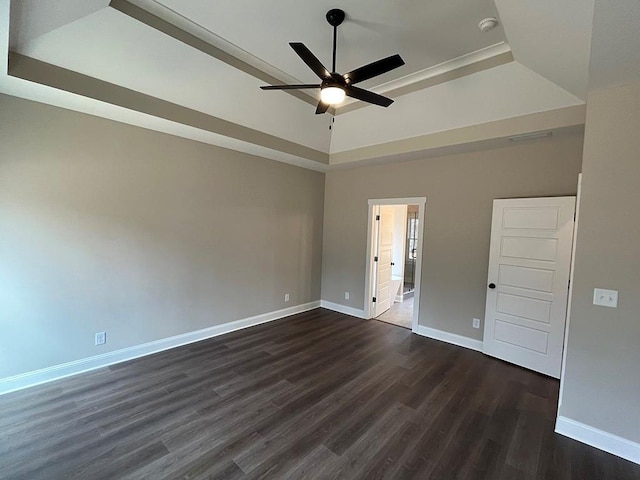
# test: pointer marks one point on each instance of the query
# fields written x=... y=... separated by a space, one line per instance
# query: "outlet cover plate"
x=476 y=323
x=101 y=338
x=605 y=298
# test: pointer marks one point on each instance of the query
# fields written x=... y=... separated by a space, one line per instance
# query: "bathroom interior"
x=405 y=244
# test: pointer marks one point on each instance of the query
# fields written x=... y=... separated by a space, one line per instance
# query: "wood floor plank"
x=367 y=448
x=310 y=426
x=390 y=457
x=317 y=395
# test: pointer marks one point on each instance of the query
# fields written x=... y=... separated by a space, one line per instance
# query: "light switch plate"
x=101 y=338
x=605 y=298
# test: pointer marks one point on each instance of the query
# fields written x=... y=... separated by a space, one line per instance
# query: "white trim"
x=369 y=278
x=4 y=37
x=336 y=307
x=199 y=31
x=418 y=273
x=371 y=272
x=442 y=68
x=452 y=338
x=570 y=296
x=36 y=92
x=37 y=377
x=599 y=439
x=368 y=281
x=398 y=201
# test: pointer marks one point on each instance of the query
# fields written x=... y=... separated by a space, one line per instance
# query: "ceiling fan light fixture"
x=332 y=95
x=334 y=87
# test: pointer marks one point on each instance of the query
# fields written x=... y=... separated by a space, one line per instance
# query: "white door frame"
x=570 y=296
x=368 y=279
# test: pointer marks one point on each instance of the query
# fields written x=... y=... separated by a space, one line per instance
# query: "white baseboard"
x=336 y=307
x=449 y=337
x=37 y=377
x=618 y=446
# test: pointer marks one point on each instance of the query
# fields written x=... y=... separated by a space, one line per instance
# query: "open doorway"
x=394 y=251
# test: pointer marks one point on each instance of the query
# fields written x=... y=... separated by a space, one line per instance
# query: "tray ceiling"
x=102 y=41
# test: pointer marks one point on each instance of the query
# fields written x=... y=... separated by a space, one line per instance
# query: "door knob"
x=492 y=286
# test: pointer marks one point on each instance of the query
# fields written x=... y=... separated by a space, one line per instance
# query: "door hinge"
x=375 y=259
x=377 y=217
x=374 y=299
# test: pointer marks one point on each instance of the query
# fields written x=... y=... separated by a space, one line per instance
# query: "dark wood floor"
x=317 y=395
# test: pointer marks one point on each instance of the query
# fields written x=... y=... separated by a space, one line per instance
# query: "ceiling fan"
x=334 y=87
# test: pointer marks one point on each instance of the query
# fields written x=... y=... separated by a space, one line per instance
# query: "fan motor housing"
x=335 y=17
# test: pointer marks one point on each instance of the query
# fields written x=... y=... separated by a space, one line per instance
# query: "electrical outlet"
x=101 y=338
x=286 y=297
x=346 y=295
x=476 y=323
x=605 y=298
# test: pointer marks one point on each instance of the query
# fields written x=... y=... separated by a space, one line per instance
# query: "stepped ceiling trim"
x=33 y=70
x=475 y=62
x=449 y=141
x=38 y=80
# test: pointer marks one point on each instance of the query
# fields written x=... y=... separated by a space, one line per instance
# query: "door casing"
x=369 y=284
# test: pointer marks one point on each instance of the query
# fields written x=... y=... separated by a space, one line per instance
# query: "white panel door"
x=383 y=264
x=528 y=285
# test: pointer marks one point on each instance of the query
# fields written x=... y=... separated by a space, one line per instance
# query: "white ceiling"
x=32 y=18
x=507 y=91
x=551 y=42
x=552 y=38
x=424 y=33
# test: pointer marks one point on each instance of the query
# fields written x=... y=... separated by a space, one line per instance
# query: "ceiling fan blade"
x=288 y=87
x=322 y=108
x=367 y=96
x=374 y=69
x=311 y=60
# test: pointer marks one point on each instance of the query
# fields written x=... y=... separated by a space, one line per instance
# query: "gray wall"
x=602 y=376
x=460 y=191
x=105 y=226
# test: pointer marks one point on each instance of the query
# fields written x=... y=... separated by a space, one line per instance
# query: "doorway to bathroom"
x=394 y=251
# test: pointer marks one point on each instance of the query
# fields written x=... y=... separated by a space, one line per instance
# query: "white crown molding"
x=608 y=442
x=440 y=69
x=56 y=372
x=194 y=28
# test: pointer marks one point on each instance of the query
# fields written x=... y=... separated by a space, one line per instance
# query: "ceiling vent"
x=530 y=136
